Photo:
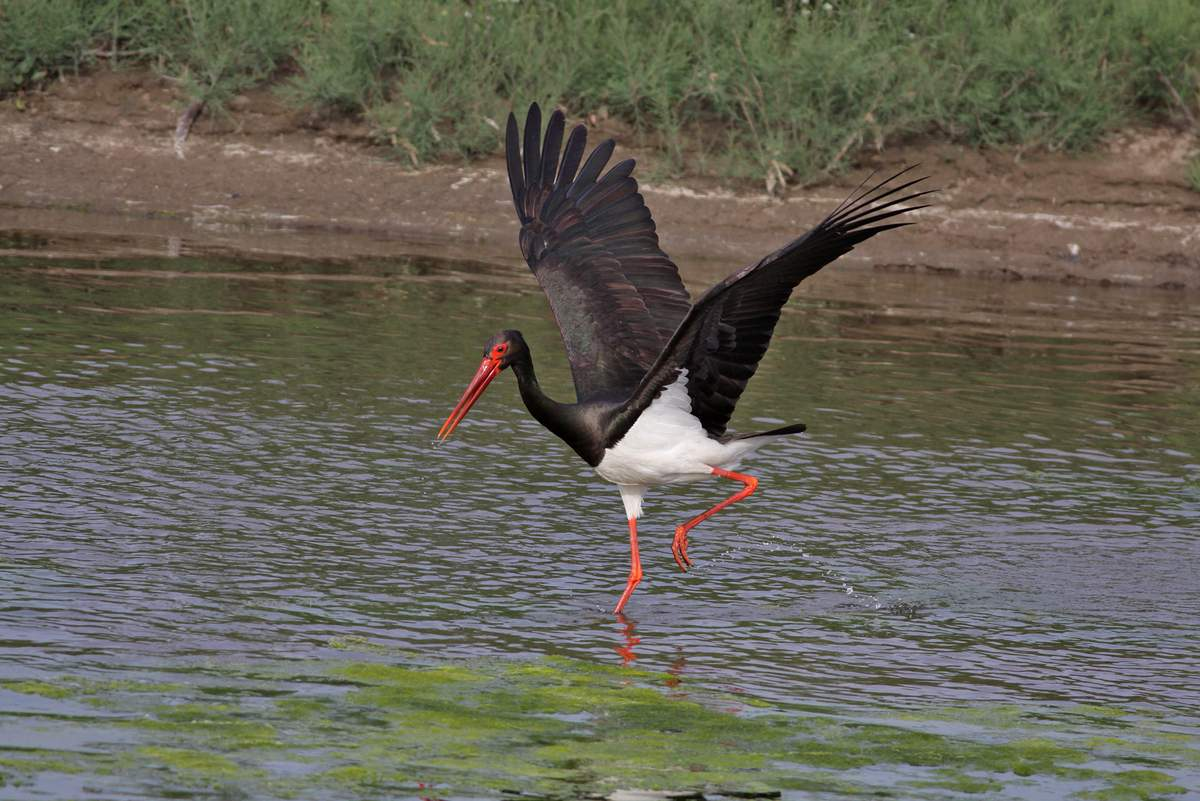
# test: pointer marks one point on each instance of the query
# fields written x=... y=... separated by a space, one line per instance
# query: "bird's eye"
x=501 y=349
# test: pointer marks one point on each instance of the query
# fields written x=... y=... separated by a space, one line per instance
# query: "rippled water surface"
x=219 y=499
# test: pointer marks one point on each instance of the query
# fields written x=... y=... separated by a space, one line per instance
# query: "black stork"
x=656 y=376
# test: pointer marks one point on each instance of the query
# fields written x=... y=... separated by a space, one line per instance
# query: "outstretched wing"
x=591 y=243
x=727 y=332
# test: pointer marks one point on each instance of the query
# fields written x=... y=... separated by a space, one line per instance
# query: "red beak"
x=483 y=376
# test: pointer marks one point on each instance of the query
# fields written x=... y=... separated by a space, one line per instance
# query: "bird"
x=656 y=375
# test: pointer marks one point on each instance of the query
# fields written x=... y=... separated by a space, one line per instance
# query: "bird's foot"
x=635 y=577
x=679 y=547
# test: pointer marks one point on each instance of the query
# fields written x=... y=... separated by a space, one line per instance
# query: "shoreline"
x=94 y=159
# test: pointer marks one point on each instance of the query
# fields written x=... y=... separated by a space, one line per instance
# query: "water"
x=218 y=495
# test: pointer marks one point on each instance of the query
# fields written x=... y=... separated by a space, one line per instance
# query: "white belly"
x=667 y=445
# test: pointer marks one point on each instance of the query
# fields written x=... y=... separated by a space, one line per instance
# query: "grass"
x=754 y=88
x=217 y=48
x=1193 y=173
x=212 y=48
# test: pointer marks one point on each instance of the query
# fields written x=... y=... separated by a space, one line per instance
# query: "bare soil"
x=94 y=158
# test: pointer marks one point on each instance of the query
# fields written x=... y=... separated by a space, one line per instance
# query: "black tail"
x=795 y=428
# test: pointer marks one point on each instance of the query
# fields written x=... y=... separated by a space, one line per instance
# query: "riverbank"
x=96 y=158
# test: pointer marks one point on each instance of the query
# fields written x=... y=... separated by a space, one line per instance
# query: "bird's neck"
x=562 y=419
x=544 y=409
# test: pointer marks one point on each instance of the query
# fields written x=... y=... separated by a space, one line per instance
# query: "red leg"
x=635 y=566
x=680 y=543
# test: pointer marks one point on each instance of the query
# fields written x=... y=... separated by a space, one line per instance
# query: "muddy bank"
x=94 y=160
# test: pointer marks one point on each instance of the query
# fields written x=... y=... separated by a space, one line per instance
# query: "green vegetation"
x=1194 y=173
x=212 y=48
x=751 y=88
x=190 y=763
x=560 y=728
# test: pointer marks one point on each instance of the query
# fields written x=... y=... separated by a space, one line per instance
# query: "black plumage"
x=727 y=331
x=625 y=317
x=591 y=243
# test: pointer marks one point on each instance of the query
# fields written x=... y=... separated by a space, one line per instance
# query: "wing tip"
x=882 y=200
x=512 y=160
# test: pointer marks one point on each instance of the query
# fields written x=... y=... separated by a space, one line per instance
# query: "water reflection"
x=625 y=649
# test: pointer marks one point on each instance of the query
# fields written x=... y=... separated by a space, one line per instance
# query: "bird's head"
x=500 y=352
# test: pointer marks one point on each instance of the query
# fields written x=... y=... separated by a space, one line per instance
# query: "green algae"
x=303 y=708
x=1156 y=746
x=1136 y=785
x=565 y=728
x=959 y=783
x=88 y=690
x=996 y=716
x=36 y=760
x=409 y=678
x=1096 y=711
x=219 y=723
x=354 y=642
x=43 y=688
x=192 y=764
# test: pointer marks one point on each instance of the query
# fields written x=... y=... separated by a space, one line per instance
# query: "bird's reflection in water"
x=625 y=650
x=628 y=629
